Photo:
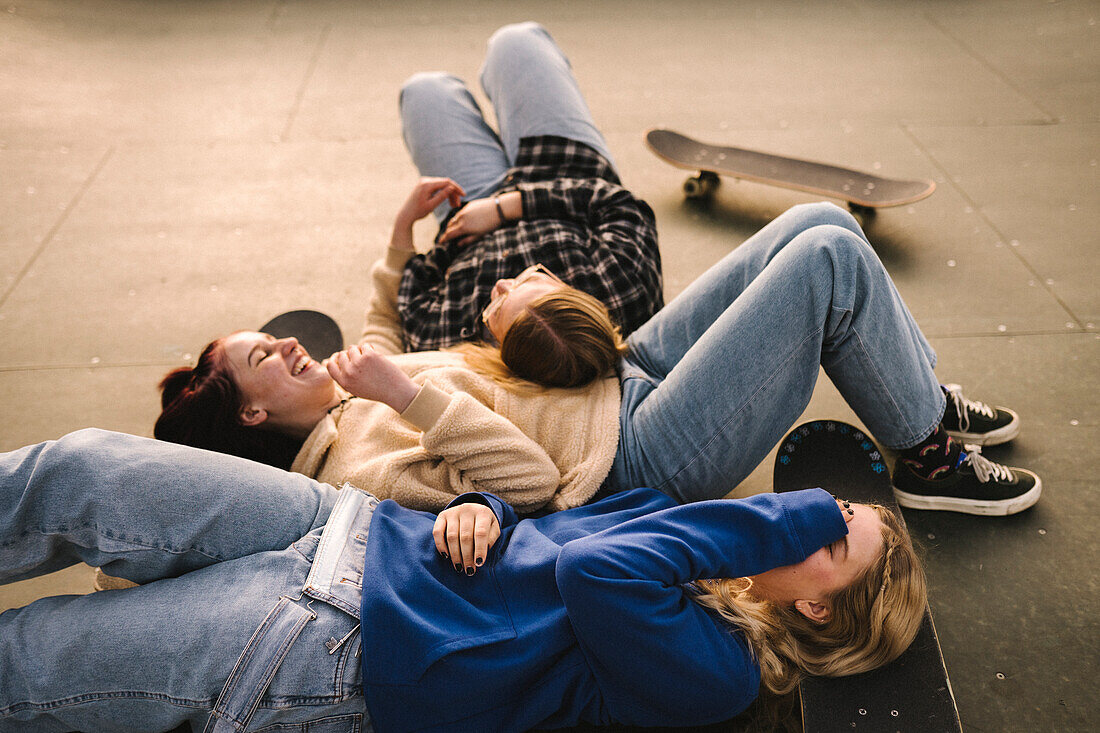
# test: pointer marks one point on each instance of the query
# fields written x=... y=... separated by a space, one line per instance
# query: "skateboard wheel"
x=693 y=188
x=702 y=185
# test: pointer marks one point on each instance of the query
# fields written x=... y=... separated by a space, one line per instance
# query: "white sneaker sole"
x=1002 y=434
x=999 y=508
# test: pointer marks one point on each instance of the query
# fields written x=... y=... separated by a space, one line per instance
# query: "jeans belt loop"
x=340 y=549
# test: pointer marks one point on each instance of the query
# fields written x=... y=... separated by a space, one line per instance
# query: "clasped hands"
x=474 y=220
x=365 y=373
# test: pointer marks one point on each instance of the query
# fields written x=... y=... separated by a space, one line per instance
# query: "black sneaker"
x=968 y=421
x=977 y=486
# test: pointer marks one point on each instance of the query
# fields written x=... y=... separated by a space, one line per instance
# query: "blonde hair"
x=871 y=622
x=563 y=339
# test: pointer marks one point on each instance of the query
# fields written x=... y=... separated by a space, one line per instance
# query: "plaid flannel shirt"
x=578 y=221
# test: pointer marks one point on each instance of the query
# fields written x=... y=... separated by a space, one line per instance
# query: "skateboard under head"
x=913 y=692
x=317 y=333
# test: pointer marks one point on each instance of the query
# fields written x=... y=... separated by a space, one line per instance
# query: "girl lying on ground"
x=703 y=392
x=280 y=601
x=541 y=191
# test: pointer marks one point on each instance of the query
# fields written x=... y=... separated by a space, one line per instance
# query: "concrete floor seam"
x=48 y=237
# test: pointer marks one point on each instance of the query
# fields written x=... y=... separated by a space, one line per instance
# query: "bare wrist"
x=510 y=205
x=402 y=236
x=403 y=396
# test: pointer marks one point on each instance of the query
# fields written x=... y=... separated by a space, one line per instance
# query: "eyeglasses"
x=521 y=278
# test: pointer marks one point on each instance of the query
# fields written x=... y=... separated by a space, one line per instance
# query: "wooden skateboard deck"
x=912 y=693
x=861 y=190
x=318 y=334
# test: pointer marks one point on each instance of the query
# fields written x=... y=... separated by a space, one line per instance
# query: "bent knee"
x=87 y=441
x=428 y=86
x=516 y=38
x=806 y=216
x=76 y=453
x=834 y=242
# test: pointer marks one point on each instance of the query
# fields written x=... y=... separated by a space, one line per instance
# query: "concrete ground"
x=172 y=171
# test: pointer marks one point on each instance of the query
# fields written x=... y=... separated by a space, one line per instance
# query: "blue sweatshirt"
x=578 y=616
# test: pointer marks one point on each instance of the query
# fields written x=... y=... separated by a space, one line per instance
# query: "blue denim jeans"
x=239 y=622
x=714 y=380
x=531 y=86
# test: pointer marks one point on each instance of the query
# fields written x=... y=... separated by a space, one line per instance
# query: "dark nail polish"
x=469 y=571
x=852 y=512
x=458 y=568
x=479 y=562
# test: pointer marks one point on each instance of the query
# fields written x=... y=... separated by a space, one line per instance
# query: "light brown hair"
x=563 y=339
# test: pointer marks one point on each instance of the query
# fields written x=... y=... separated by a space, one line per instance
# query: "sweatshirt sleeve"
x=469 y=447
x=382 y=329
x=659 y=657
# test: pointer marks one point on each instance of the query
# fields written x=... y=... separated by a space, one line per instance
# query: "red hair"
x=201 y=407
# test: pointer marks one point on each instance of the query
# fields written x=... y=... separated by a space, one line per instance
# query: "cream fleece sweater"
x=463 y=432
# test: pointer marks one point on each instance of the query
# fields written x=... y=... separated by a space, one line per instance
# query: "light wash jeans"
x=533 y=92
x=717 y=377
x=224 y=548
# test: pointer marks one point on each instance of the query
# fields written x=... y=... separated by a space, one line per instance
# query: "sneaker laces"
x=984 y=468
x=963 y=406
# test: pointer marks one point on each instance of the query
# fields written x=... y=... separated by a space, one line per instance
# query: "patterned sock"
x=937 y=456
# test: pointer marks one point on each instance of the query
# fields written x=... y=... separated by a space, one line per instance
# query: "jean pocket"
x=332 y=724
x=257 y=665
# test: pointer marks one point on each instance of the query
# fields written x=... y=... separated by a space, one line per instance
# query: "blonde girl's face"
x=832 y=568
x=510 y=296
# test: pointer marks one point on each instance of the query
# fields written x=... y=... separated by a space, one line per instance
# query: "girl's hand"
x=481 y=216
x=464 y=534
x=427 y=194
x=365 y=373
